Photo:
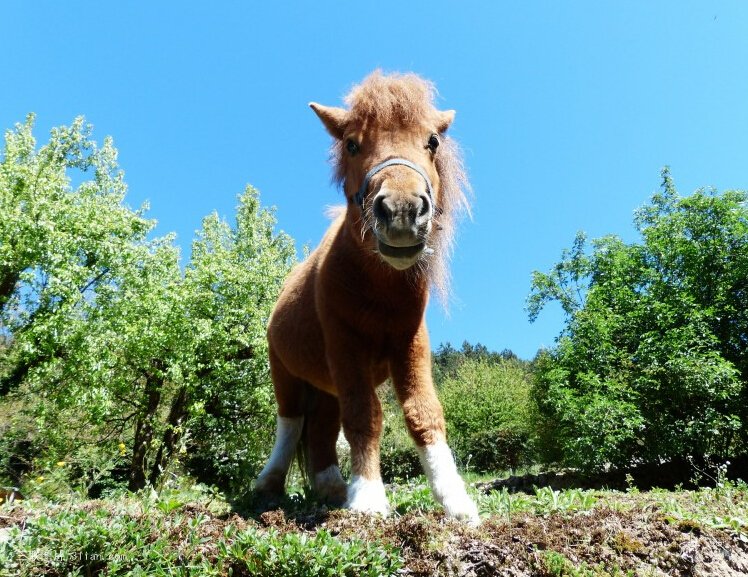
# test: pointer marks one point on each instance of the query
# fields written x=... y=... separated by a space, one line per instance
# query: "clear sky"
x=566 y=112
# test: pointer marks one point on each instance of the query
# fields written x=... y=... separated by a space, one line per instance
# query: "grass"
x=174 y=533
x=191 y=530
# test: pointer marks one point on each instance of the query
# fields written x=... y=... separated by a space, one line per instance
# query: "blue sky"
x=566 y=112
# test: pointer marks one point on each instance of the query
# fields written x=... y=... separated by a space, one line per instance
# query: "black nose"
x=416 y=210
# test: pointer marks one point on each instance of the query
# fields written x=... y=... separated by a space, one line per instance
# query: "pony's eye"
x=433 y=143
x=351 y=147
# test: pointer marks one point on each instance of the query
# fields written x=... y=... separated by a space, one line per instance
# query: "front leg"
x=361 y=416
x=411 y=375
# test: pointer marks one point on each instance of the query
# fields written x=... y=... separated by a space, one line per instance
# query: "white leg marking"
x=287 y=436
x=367 y=496
x=329 y=484
x=446 y=483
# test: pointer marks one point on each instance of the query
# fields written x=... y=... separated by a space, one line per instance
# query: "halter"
x=359 y=198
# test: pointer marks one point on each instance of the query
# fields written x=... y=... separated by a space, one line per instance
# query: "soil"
x=642 y=541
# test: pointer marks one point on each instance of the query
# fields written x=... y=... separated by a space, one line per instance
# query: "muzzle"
x=361 y=194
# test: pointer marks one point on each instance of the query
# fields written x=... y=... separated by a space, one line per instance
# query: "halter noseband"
x=359 y=198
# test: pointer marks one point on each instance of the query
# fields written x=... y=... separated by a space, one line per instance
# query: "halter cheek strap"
x=361 y=194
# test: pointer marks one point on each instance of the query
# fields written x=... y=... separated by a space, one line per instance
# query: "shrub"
x=489 y=414
x=399 y=459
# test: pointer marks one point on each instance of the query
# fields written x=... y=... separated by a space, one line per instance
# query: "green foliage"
x=232 y=283
x=57 y=244
x=545 y=501
x=65 y=252
x=447 y=359
x=150 y=536
x=653 y=361
x=489 y=414
x=554 y=564
x=300 y=555
x=415 y=496
x=123 y=363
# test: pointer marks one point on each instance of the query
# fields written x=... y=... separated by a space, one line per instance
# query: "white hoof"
x=446 y=483
x=367 y=496
x=462 y=508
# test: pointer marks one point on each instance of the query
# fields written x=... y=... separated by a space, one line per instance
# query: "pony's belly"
x=325 y=386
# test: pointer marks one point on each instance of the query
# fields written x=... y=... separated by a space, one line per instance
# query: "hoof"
x=330 y=486
x=270 y=484
x=462 y=508
x=367 y=496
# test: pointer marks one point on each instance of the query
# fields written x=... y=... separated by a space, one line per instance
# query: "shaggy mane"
x=392 y=101
x=400 y=101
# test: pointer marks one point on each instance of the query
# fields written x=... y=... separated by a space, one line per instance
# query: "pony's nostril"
x=425 y=206
x=380 y=208
x=424 y=210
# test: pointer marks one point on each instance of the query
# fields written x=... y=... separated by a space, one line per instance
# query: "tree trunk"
x=144 y=433
x=171 y=434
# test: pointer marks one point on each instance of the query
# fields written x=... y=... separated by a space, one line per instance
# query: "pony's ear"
x=334 y=119
x=443 y=119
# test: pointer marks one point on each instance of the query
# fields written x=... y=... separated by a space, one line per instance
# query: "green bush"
x=596 y=425
x=399 y=459
x=489 y=414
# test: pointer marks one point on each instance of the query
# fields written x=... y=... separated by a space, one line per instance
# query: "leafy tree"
x=653 y=361
x=118 y=358
x=232 y=284
x=57 y=244
x=81 y=285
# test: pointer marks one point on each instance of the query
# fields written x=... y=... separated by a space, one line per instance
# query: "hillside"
x=547 y=534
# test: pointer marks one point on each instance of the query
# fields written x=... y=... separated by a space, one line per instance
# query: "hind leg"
x=322 y=430
x=289 y=392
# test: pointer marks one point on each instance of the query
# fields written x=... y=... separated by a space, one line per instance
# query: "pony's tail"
x=302 y=453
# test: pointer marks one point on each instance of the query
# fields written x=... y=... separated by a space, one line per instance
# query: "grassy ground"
x=194 y=531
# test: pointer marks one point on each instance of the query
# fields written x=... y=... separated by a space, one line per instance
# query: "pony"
x=351 y=315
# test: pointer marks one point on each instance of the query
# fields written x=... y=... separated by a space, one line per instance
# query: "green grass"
x=544 y=501
x=173 y=533
x=191 y=530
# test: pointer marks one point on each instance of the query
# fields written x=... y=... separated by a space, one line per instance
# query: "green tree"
x=115 y=357
x=232 y=284
x=652 y=362
x=81 y=285
x=447 y=360
x=57 y=244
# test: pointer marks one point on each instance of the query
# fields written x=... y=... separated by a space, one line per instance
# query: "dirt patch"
x=602 y=542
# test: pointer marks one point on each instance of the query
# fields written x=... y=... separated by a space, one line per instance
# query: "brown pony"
x=352 y=314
